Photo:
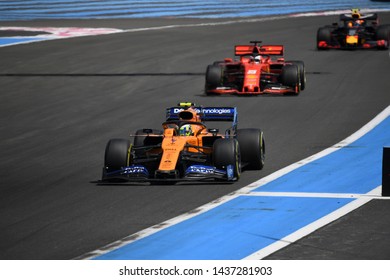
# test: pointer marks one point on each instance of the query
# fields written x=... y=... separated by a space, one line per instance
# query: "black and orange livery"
x=185 y=149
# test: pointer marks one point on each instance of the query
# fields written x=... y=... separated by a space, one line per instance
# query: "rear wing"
x=349 y=17
x=227 y=114
x=242 y=50
x=272 y=49
x=245 y=50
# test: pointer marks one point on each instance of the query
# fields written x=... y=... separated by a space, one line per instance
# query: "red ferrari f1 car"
x=186 y=150
x=259 y=70
x=356 y=31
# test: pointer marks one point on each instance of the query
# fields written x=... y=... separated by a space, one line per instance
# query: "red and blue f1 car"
x=357 y=31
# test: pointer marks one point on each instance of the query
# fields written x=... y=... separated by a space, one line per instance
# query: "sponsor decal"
x=178 y=110
x=135 y=169
x=230 y=173
x=200 y=169
x=251 y=72
x=218 y=111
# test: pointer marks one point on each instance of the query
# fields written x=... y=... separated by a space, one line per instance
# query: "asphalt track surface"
x=62 y=100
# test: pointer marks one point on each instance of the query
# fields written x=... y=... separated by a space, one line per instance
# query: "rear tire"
x=227 y=152
x=252 y=147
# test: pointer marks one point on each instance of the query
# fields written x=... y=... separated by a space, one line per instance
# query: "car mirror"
x=213 y=130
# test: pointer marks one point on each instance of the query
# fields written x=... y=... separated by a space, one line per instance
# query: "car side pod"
x=386 y=172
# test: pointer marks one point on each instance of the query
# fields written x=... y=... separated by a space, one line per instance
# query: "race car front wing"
x=367 y=45
x=275 y=89
x=139 y=173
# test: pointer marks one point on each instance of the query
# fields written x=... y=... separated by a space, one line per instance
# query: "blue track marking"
x=6 y=41
x=50 y=33
x=232 y=231
x=356 y=168
x=252 y=221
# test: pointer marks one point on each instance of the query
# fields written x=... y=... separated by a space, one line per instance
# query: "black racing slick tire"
x=213 y=77
x=383 y=33
x=227 y=152
x=252 y=148
x=290 y=76
x=301 y=72
x=217 y=63
x=117 y=154
x=324 y=34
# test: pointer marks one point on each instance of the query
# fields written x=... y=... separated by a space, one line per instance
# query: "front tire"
x=227 y=152
x=324 y=34
x=213 y=77
x=383 y=33
x=116 y=156
x=290 y=77
x=252 y=148
x=301 y=72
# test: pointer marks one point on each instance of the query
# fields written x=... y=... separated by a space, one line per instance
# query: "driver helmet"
x=256 y=58
x=355 y=13
x=185 y=130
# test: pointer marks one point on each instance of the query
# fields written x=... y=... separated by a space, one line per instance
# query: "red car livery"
x=259 y=70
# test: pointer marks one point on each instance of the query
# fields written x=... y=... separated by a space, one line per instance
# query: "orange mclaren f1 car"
x=357 y=31
x=185 y=149
x=259 y=70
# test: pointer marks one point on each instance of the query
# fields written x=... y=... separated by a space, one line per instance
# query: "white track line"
x=376 y=194
x=289 y=239
x=250 y=20
x=365 y=129
x=54 y=30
